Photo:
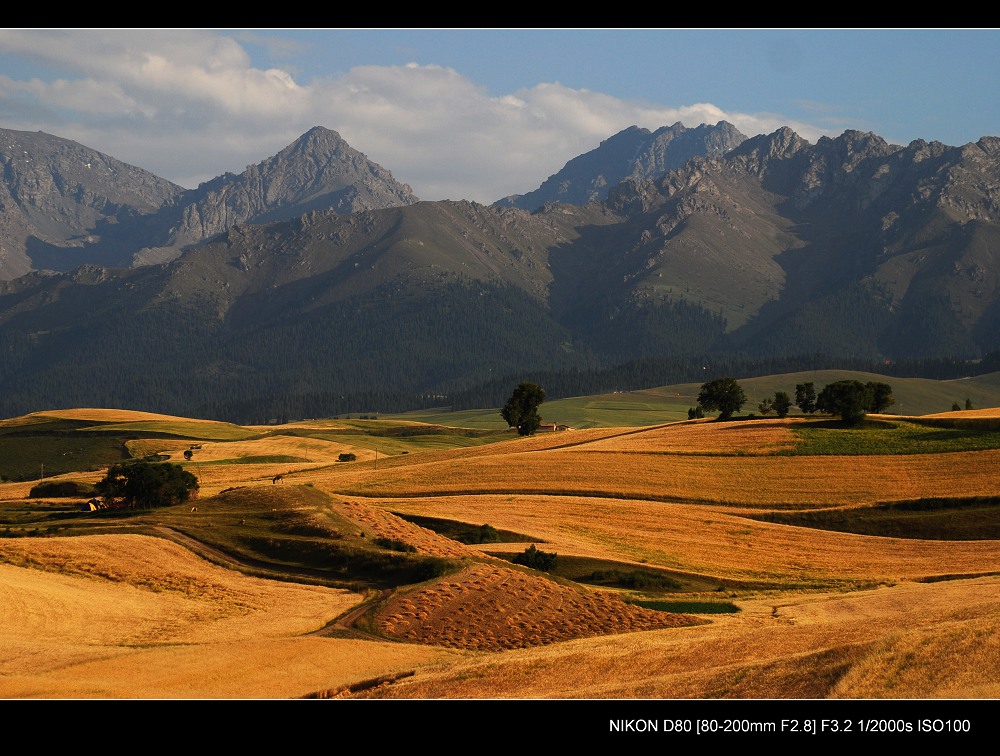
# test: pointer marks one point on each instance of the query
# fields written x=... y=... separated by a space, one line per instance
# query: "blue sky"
x=481 y=113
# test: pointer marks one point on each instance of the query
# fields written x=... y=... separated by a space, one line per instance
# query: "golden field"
x=166 y=604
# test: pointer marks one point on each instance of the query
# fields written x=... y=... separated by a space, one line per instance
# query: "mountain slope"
x=309 y=314
x=57 y=194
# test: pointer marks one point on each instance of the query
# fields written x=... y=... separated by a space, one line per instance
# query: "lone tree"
x=849 y=399
x=782 y=403
x=724 y=395
x=521 y=410
x=805 y=397
x=131 y=485
x=882 y=397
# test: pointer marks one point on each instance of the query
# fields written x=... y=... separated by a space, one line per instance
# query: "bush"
x=537 y=560
x=482 y=534
x=634 y=579
x=56 y=489
x=432 y=567
x=394 y=544
x=348 y=457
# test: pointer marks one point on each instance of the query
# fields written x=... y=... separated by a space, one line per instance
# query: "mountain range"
x=315 y=283
x=63 y=205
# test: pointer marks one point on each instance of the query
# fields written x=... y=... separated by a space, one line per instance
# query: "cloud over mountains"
x=189 y=105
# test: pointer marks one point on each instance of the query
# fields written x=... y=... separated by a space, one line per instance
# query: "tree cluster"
x=851 y=399
x=134 y=485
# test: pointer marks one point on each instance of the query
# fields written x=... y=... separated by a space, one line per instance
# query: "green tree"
x=765 y=406
x=131 y=485
x=521 y=410
x=849 y=399
x=782 y=403
x=955 y=407
x=724 y=395
x=882 y=397
x=805 y=397
x=968 y=404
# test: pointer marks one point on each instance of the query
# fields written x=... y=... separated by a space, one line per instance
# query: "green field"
x=914 y=396
x=895 y=437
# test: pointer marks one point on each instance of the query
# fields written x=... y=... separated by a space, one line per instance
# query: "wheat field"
x=822 y=613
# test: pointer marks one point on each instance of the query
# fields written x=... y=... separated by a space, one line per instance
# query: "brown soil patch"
x=491 y=608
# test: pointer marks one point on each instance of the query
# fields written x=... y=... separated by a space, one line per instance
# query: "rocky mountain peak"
x=76 y=205
x=56 y=193
x=990 y=145
x=318 y=170
x=782 y=143
x=632 y=154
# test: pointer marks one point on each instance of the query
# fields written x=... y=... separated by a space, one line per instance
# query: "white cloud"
x=190 y=105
